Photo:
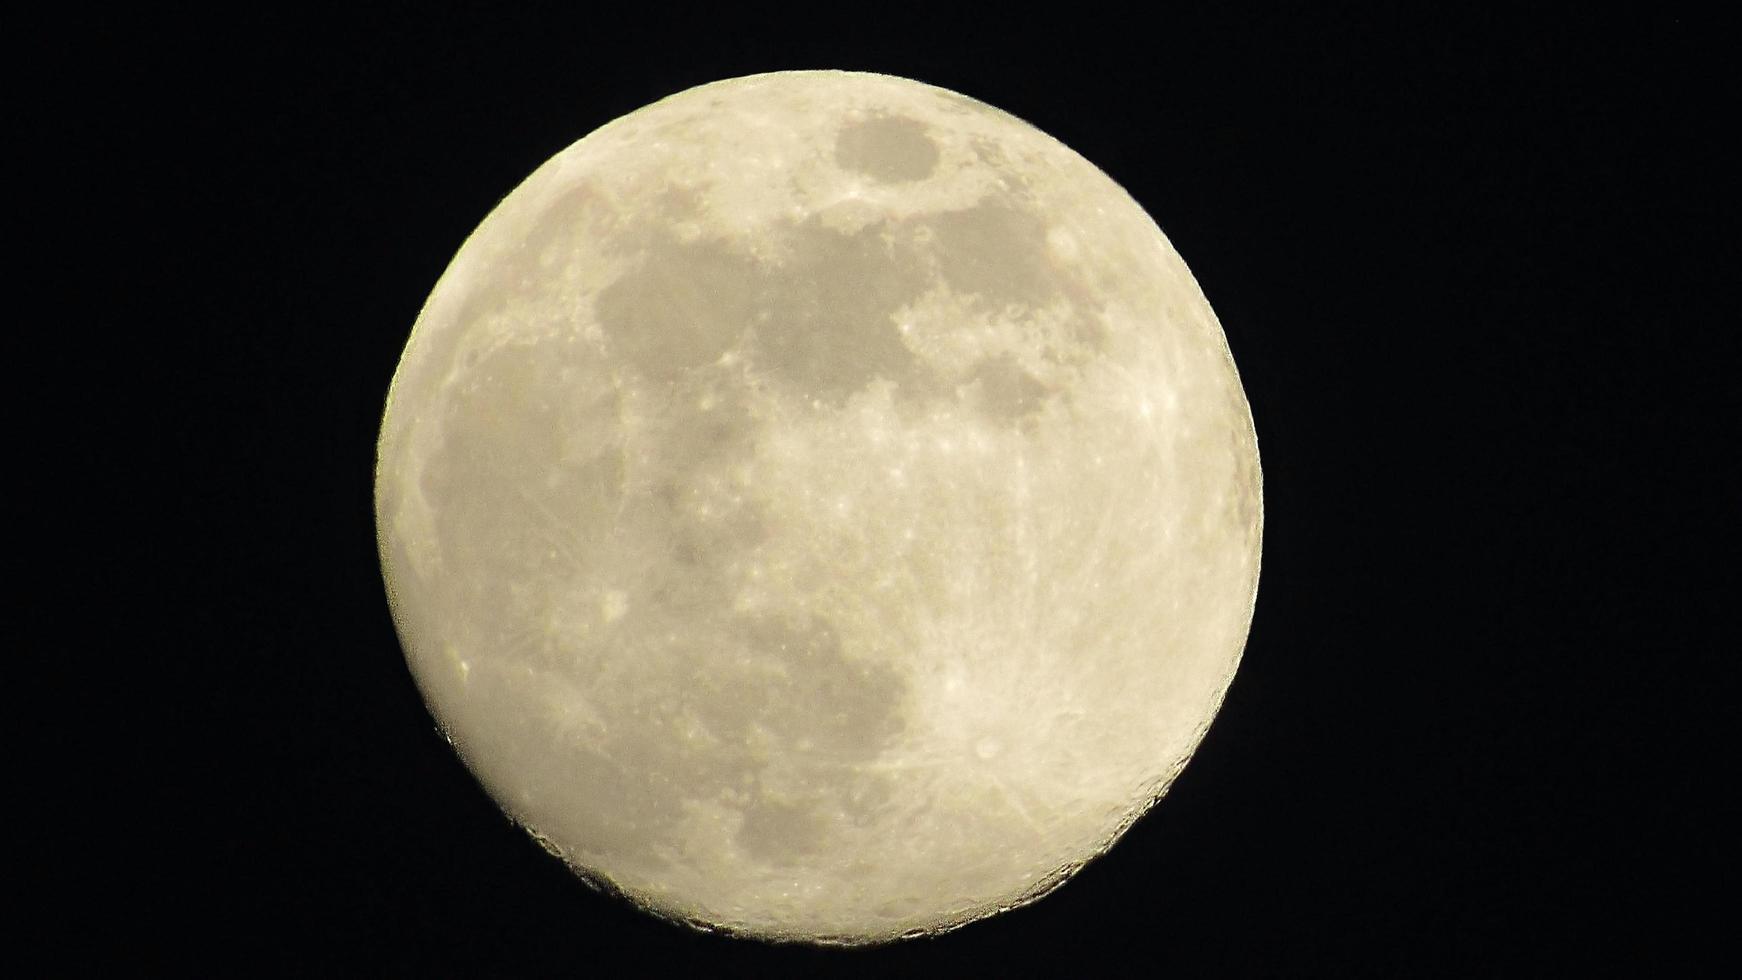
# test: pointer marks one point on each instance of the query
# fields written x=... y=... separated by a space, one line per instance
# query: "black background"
x=1468 y=266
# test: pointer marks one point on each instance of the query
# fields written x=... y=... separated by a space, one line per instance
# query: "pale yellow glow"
x=821 y=506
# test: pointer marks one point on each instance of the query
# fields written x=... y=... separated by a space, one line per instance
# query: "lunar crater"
x=889 y=149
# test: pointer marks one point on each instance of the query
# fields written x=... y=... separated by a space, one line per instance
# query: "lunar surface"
x=820 y=506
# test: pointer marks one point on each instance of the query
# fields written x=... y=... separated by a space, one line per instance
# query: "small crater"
x=888 y=149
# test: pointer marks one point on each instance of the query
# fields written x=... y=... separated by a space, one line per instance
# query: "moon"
x=821 y=507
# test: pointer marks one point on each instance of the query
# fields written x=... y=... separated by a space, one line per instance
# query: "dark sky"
x=1469 y=269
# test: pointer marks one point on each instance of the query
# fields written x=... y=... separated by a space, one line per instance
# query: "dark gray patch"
x=691 y=436
x=888 y=149
x=505 y=496
x=828 y=710
x=682 y=307
x=825 y=320
x=1087 y=329
x=779 y=832
x=1007 y=391
x=759 y=678
x=826 y=702
x=700 y=426
x=997 y=253
x=795 y=680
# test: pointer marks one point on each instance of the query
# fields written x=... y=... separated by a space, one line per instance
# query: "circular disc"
x=820 y=506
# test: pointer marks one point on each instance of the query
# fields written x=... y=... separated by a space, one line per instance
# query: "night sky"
x=1469 y=269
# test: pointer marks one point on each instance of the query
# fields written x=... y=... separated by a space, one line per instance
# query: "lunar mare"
x=820 y=506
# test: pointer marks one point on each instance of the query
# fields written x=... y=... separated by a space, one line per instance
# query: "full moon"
x=821 y=507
